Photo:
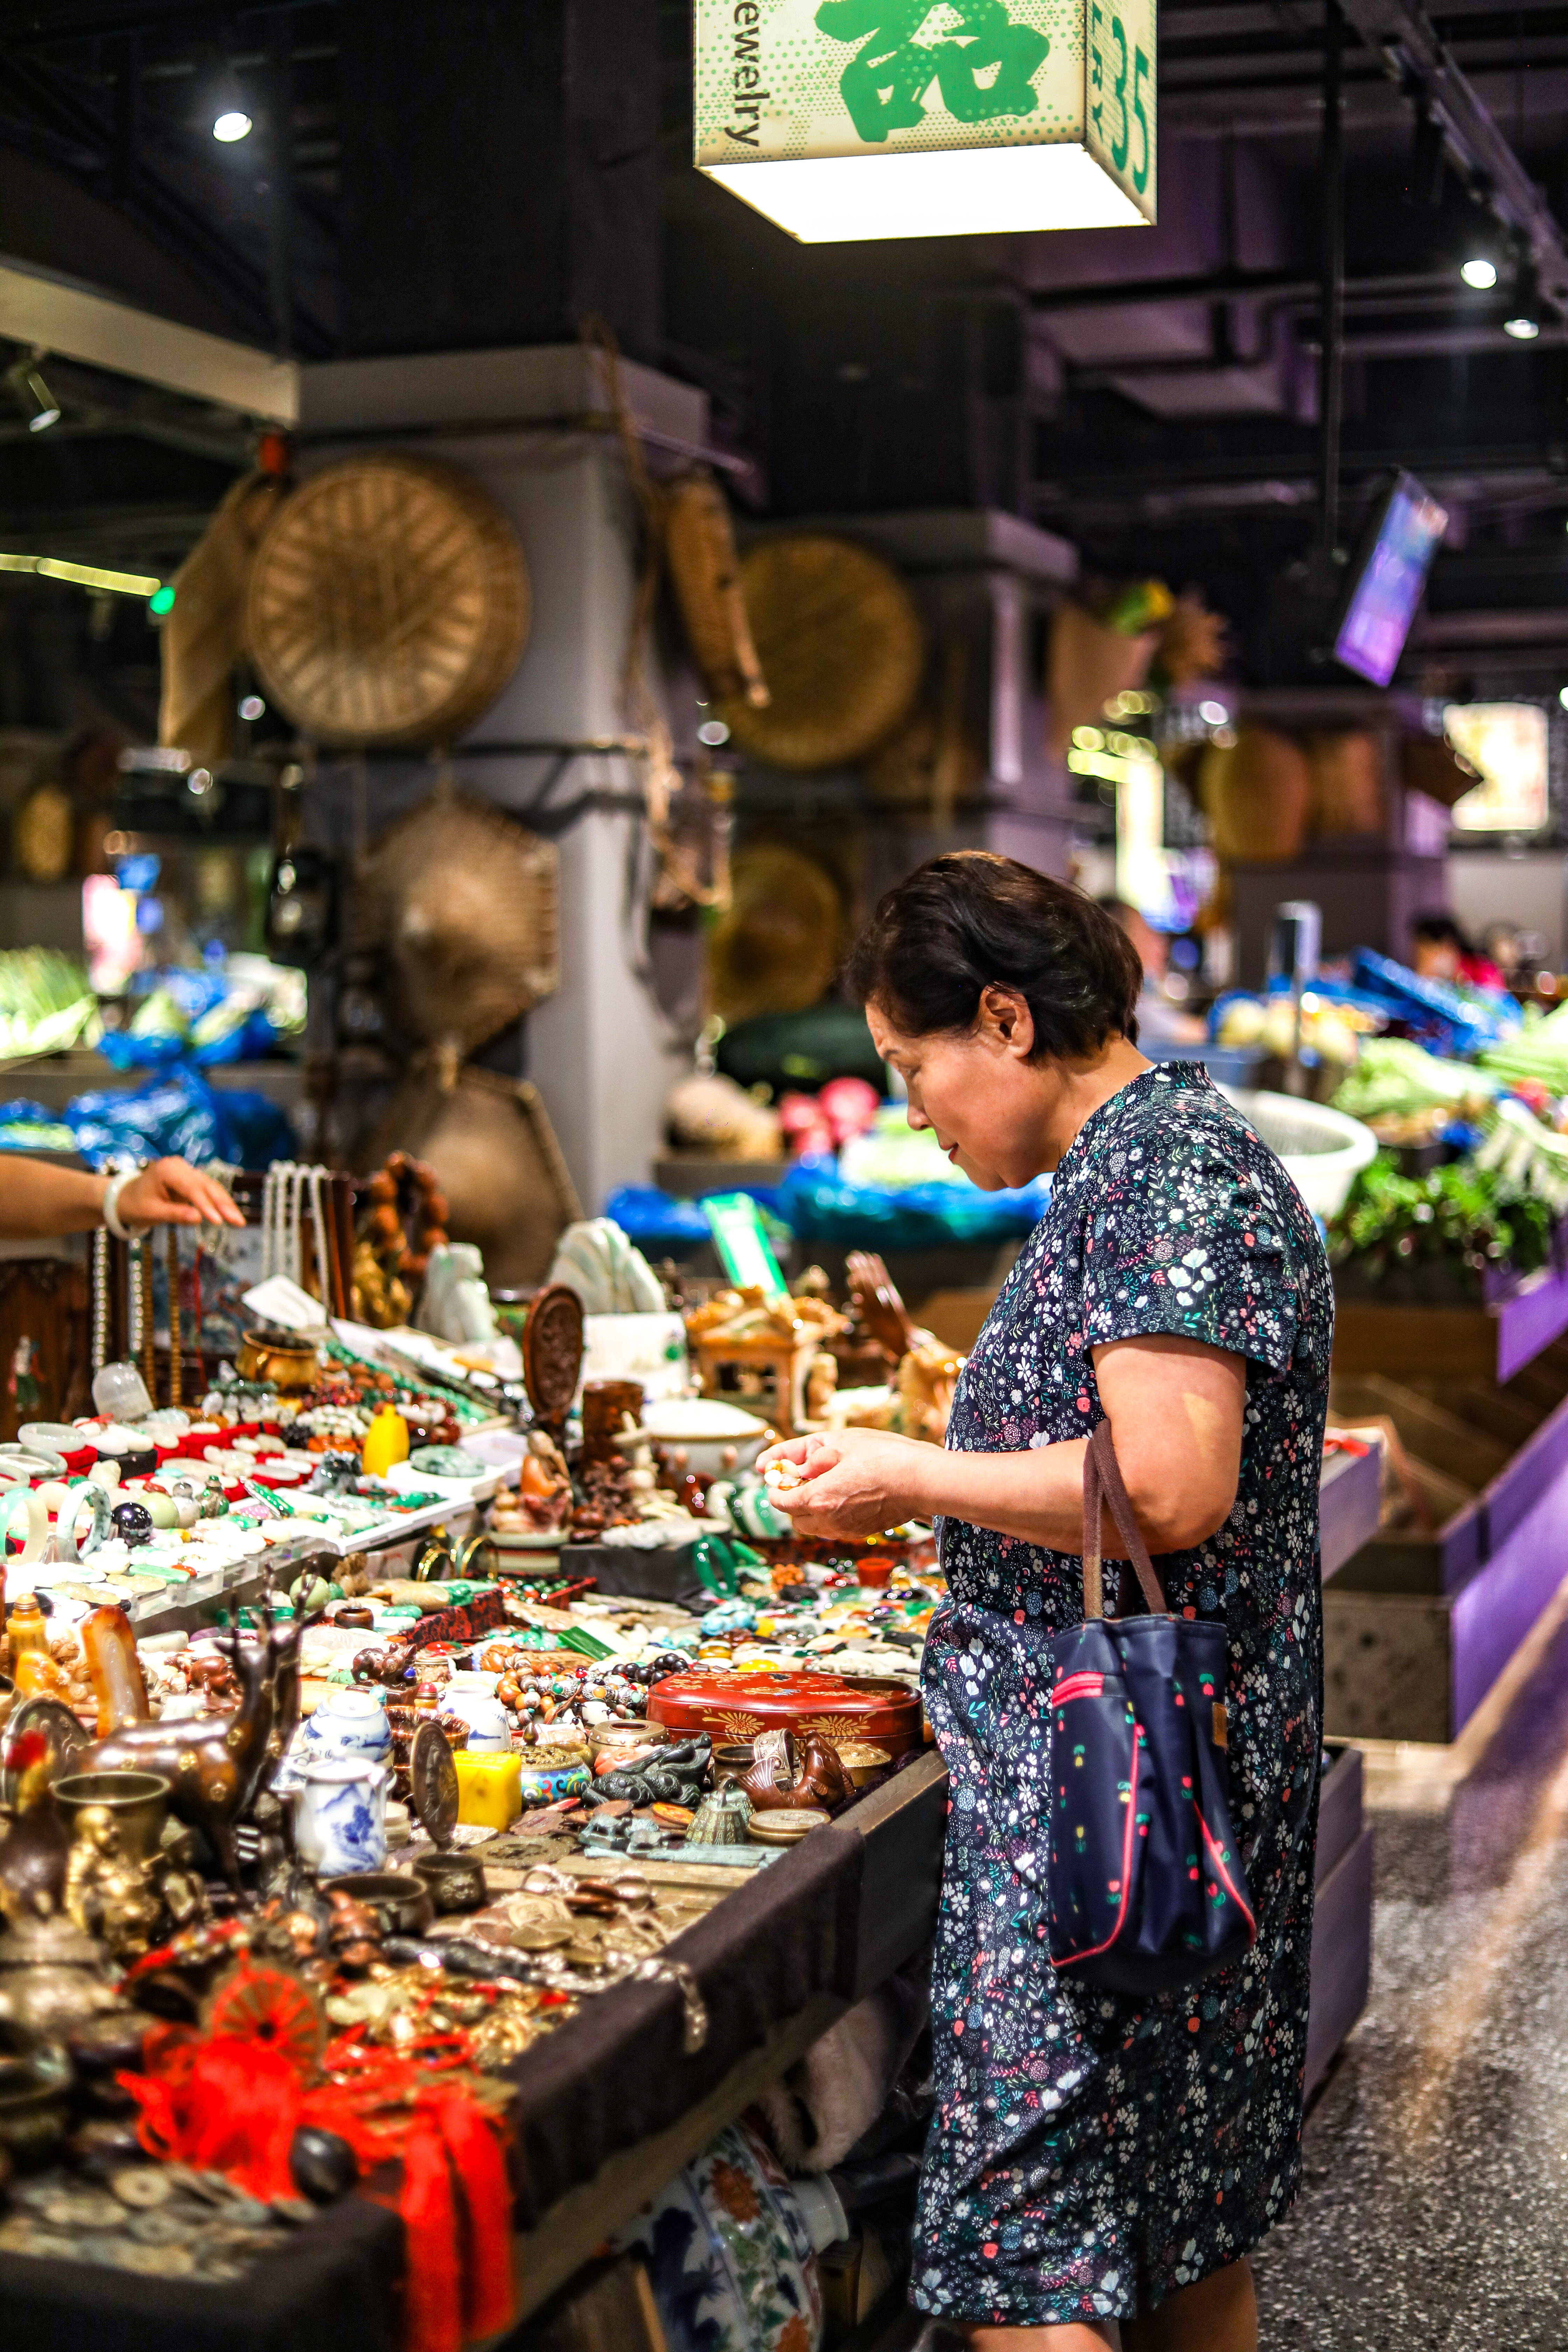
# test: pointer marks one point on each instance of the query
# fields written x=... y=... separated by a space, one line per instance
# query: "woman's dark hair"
x=1440 y=931
x=970 y=921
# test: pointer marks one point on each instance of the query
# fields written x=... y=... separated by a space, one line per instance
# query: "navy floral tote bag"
x=1146 y=1889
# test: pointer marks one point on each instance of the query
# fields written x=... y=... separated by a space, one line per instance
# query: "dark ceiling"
x=421 y=175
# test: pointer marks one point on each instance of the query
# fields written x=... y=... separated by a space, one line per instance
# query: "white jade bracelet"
x=112 y=1190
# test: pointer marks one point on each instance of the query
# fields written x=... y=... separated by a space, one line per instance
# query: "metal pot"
x=138 y=1800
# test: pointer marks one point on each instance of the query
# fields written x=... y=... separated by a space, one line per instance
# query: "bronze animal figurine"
x=785 y=1778
x=217 y=1765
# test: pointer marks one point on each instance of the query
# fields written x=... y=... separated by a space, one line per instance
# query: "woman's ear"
x=1005 y=1023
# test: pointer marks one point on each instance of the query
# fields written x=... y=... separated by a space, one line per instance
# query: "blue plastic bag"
x=815 y=1203
x=178 y=1112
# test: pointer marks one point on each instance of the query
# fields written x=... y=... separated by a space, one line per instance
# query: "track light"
x=32 y=394
x=1479 y=271
x=1523 y=320
x=231 y=121
x=1426 y=158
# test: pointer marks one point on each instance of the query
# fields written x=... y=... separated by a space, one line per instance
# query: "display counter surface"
x=609 y=2105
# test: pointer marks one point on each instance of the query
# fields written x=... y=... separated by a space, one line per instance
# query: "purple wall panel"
x=1498 y=1607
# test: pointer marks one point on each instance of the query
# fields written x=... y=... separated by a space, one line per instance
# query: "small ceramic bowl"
x=457 y=1880
x=138 y=1800
x=403 y=1902
x=543 y=1785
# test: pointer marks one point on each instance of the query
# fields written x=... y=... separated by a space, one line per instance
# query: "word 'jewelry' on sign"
x=849 y=120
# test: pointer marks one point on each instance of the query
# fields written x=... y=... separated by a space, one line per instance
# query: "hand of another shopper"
x=856 y=1483
x=172 y=1193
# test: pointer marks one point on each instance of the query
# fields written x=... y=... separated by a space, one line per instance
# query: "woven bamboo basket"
x=841 y=647
x=705 y=571
x=776 y=947
x=388 y=602
x=1255 y=794
x=463 y=902
x=496 y=1163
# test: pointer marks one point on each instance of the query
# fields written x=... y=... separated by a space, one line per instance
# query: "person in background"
x=1441 y=951
x=38 y=1200
x=1159 y=1023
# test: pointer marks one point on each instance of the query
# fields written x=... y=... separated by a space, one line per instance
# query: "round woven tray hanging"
x=388 y=602
x=776 y=947
x=841 y=647
x=463 y=901
x=699 y=549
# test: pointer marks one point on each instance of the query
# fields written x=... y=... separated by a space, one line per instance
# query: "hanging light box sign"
x=843 y=120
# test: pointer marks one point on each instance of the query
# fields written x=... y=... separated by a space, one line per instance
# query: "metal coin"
x=97 y=2246
x=143 y=2185
x=539 y=1940
x=248 y=2213
x=210 y=2188
x=79 y=2208
x=165 y=2228
x=157 y=2262
x=21 y=2234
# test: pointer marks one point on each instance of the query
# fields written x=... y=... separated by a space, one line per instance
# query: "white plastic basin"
x=1324 y=1150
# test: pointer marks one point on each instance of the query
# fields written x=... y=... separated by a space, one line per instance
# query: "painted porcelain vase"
x=730 y=2255
x=340 y=1816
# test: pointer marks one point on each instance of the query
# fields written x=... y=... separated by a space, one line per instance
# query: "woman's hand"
x=172 y=1193
x=858 y=1482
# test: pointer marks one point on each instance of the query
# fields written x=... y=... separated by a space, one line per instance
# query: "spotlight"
x=32 y=394
x=230 y=119
x=1523 y=321
x=1479 y=271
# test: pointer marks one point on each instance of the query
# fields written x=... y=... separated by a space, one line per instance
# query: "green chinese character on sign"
x=885 y=82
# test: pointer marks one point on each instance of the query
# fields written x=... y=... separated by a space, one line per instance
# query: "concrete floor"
x=1433 y=2215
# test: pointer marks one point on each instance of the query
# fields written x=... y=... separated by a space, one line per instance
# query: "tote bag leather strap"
x=1102 y=1482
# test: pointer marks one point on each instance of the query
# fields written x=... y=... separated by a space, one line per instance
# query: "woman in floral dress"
x=1099 y=2166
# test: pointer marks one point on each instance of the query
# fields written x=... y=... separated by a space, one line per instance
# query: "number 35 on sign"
x=1118 y=95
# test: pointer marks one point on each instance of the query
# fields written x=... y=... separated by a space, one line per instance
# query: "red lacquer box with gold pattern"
x=839 y=1706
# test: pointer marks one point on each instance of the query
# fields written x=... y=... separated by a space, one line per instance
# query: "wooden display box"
x=1419 y=1623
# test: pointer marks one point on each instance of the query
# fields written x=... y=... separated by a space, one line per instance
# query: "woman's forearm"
x=38 y=1200
x=1036 y=1493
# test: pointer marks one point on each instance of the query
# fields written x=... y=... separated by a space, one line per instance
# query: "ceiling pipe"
x=1229 y=285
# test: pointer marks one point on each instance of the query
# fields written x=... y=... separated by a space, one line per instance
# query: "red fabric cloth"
x=231 y=2104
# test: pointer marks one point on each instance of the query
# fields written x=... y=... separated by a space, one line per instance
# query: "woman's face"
x=987 y=1104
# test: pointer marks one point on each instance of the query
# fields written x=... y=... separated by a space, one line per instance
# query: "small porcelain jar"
x=471 y=1697
x=350 y=1723
x=340 y=1816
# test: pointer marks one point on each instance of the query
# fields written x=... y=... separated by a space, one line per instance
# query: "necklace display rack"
x=306 y=1219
